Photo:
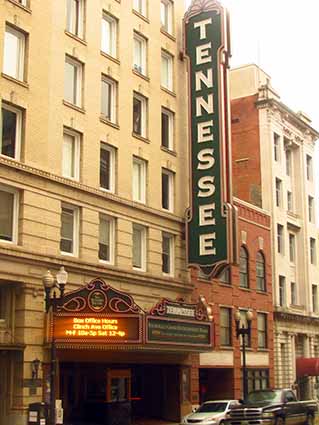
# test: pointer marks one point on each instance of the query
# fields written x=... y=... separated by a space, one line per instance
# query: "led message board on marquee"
x=210 y=218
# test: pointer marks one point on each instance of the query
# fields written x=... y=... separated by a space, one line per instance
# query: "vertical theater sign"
x=211 y=217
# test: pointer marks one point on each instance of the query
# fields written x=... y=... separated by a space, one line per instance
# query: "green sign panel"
x=209 y=215
x=163 y=331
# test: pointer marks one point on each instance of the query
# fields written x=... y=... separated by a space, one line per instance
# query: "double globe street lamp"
x=52 y=301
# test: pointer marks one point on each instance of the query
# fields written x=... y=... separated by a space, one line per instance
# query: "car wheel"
x=279 y=421
x=310 y=420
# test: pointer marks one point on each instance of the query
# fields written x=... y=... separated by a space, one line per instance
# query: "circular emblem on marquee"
x=97 y=300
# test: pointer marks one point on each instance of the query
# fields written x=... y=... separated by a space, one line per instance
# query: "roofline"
x=251 y=206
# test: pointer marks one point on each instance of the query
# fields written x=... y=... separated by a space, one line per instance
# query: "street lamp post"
x=52 y=301
x=243 y=330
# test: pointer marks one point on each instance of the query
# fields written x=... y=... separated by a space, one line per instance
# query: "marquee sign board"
x=210 y=216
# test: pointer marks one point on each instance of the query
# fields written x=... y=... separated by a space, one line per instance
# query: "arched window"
x=243 y=268
x=260 y=272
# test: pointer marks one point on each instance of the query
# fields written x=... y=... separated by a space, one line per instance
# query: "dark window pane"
x=104 y=252
x=9 y=127
x=6 y=216
x=165 y=191
x=105 y=168
x=137 y=116
x=66 y=243
x=165 y=130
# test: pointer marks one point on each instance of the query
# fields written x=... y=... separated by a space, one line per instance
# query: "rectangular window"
x=167 y=129
x=14 y=53
x=8 y=214
x=243 y=321
x=309 y=169
x=293 y=293
x=276 y=147
x=139 y=53
x=258 y=379
x=167 y=190
x=139 y=115
x=290 y=206
x=10 y=142
x=288 y=162
x=225 y=276
x=107 y=167
x=73 y=76
x=140 y=6
x=139 y=180
x=225 y=326
x=311 y=212
x=292 y=248
x=168 y=254
x=262 y=330
x=282 y=291
x=278 y=193
x=108 y=99
x=69 y=230
x=167 y=15
x=315 y=298
x=106 y=239
x=75 y=17
x=109 y=35
x=71 y=154
x=280 y=238
x=139 y=247
x=313 y=253
x=167 y=70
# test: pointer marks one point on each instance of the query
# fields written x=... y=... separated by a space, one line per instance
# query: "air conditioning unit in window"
x=138 y=68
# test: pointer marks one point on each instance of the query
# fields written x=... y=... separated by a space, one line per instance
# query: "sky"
x=282 y=37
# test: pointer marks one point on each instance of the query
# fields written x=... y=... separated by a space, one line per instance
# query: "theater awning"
x=307 y=366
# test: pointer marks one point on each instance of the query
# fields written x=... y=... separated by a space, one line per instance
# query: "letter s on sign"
x=207 y=186
x=205 y=156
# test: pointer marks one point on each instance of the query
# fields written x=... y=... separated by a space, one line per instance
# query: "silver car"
x=210 y=413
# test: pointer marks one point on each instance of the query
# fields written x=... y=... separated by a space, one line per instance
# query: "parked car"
x=273 y=407
x=210 y=413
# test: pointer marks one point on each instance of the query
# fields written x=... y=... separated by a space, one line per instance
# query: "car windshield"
x=212 y=407
x=264 y=396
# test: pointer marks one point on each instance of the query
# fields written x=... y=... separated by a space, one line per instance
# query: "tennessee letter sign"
x=210 y=216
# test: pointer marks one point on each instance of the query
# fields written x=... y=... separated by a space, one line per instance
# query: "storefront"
x=116 y=362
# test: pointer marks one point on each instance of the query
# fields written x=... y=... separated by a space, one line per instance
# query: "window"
x=139 y=180
x=315 y=298
x=167 y=71
x=290 y=206
x=69 y=230
x=167 y=190
x=224 y=276
x=74 y=17
x=139 y=56
x=23 y=2
x=168 y=254
x=258 y=379
x=225 y=326
x=108 y=99
x=288 y=162
x=10 y=142
x=280 y=238
x=140 y=6
x=167 y=15
x=313 y=254
x=243 y=321
x=8 y=214
x=73 y=81
x=14 y=53
x=106 y=239
x=107 y=167
x=71 y=154
x=311 y=213
x=109 y=35
x=139 y=115
x=282 y=291
x=260 y=272
x=309 y=168
x=139 y=247
x=167 y=129
x=262 y=330
x=293 y=293
x=276 y=147
x=292 y=248
x=278 y=193
x=243 y=268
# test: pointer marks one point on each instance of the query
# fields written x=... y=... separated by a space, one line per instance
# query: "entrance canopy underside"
x=307 y=366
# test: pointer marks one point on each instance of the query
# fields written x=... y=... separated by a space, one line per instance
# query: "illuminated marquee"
x=210 y=216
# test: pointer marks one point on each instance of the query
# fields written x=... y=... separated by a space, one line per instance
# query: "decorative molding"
x=199 y=6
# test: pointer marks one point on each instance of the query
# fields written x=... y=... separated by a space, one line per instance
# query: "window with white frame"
x=292 y=247
x=139 y=247
x=109 y=99
x=278 y=192
x=71 y=154
x=280 y=238
x=225 y=326
x=139 y=115
x=69 y=230
x=75 y=17
x=73 y=76
x=293 y=293
x=167 y=70
x=23 y=2
x=109 y=35
x=8 y=214
x=313 y=251
x=107 y=167
x=314 y=298
x=262 y=330
x=140 y=6
x=311 y=213
x=167 y=190
x=167 y=129
x=14 y=53
x=167 y=15
x=139 y=53
x=106 y=238
x=167 y=254
x=309 y=170
x=282 y=291
x=11 y=135
x=139 y=180
x=290 y=205
x=288 y=162
x=276 y=147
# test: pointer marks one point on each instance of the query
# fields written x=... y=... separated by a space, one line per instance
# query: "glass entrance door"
x=118 y=396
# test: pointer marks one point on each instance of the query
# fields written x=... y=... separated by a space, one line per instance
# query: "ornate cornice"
x=199 y=6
